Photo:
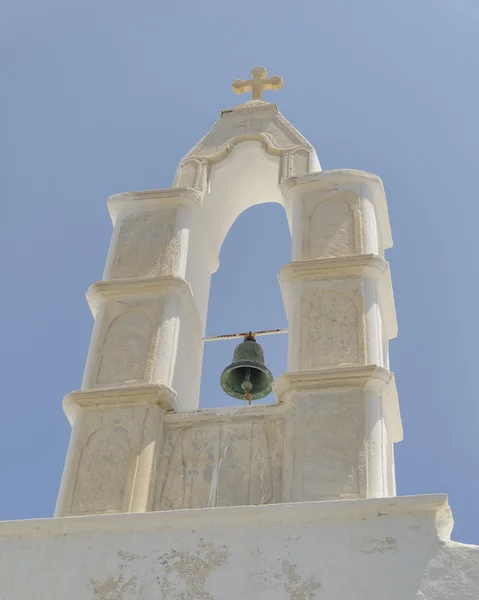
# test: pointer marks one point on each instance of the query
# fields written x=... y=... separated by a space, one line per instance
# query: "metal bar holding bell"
x=230 y=336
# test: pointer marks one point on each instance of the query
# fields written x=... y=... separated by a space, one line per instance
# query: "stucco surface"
x=322 y=440
x=393 y=548
x=330 y=437
x=146 y=245
x=221 y=460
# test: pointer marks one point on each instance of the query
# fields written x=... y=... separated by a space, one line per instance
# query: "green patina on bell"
x=246 y=377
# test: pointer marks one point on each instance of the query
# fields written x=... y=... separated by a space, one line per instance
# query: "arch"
x=248 y=276
x=248 y=176
x=125 y=350
x=239 y=164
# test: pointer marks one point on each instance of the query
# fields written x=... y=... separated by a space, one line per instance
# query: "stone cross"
x=258 y=83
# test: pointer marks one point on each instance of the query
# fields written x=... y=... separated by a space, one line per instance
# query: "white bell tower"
x=292 y=500
x=331 y=433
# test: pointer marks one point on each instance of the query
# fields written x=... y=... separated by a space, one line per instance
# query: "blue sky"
x=105 y=97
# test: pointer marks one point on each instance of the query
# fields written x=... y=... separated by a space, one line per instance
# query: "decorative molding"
x=152 y=199
x=259 y=121
x=247 y=121
x=150 y=394
x=135 y=286
x=221 y=463
x=294 y=189
x=371 y=377
x=330 y=229
x=361 y=377
x=369 y=265
x=225 y=415
x=296 y=513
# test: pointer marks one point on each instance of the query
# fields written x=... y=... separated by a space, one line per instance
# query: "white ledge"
x=137 y=286
x=152 y=199
x=150 y=394
x=370 y=265
x=369 y=377
x=225 y=415
x=301 y=512
x=336 y=378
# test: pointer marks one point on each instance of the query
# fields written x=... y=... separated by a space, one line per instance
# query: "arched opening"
x=246 y=177
x=245 y=295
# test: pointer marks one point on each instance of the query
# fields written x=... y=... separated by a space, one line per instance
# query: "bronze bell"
x=246 y=377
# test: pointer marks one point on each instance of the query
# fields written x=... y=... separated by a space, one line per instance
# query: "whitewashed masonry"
x=138 y=441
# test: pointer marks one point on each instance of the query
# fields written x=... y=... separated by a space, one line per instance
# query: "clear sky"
x=104 y=97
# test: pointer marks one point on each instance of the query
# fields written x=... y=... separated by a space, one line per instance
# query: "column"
x=147 y=328
x=343 y=413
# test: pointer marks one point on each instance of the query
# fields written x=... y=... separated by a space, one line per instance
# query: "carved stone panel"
x=300 y=160
x=191 y=455
x=332 y=330
x=125 y=349
x=331 y=224
x=102 y=472
x=328 y=437
x=147 y=245
x=331 y=230
x=276 y=132
x=111 y=446
x=191 y=174
x=221 y=464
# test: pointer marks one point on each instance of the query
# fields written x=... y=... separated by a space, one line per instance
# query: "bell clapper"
x=247 y=386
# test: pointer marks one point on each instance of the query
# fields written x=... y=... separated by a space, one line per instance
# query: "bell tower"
x=139 y=442
x=291 y=500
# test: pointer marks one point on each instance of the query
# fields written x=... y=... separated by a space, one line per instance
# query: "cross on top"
x=258 y=83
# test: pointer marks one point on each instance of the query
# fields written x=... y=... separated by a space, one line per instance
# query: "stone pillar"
x=147 y=332
x=112 y=459
x=343 y=414
x=146 y=321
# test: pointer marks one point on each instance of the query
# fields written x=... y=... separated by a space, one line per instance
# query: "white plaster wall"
x=147 y=244
x=227 y=457
x=395 y=549
x=151 y=312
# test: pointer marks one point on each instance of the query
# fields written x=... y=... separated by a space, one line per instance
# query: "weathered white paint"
x=300 y=494
x=395 y=548
x=328 y=438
